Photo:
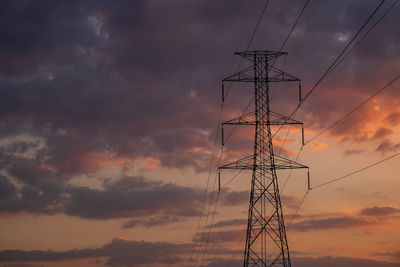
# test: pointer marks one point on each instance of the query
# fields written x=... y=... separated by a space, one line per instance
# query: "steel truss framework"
x=266 y=242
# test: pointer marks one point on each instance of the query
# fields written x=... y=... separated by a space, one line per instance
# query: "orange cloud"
x=123 y=162
x=151 y=164
x=121 y=238
x=76 y=159
x=318 y=146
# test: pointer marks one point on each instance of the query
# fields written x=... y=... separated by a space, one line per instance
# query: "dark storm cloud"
x=33 y=188
x=39 y=31
x=141 y=79
x=353 y=81
x=130 y=197
x=100 y=80
x=84 y=97
x=134 y=196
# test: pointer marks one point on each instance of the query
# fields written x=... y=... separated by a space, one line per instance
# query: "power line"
x=341 y=53
x=353 y=110
x=328 y=71
x=208 y=178
x=294 y=25
x=219 y=119
x=220 y=113
x=209 y=212
x=273 y=63
x=209 y=230
x=291 y=171
x=231 y=180
x=235 y=126
x=366 y=34
x=249 y=43
x=257 y=25
x=298 y=209
x=333 y=65
x=357 y=171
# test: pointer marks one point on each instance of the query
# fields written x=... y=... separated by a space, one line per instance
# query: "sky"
x=109 y=141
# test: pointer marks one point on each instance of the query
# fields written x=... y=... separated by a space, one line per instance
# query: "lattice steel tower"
x=266 y=243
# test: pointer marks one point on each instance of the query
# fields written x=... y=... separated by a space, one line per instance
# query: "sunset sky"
x=109 y=138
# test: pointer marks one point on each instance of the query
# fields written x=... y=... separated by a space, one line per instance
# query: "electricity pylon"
x=266 y=242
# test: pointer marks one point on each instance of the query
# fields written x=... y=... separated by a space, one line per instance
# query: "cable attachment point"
x=223 y=92
x=300 y=97
x=219 y=181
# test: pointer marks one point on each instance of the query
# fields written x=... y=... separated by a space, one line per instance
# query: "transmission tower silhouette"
x=266 y=242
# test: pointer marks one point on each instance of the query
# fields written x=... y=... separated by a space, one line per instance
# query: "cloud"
x=330 y=223
x=379 y=211
x=220 y=236
x=29 y=187
x=392 y=254
x=225 y=262
x=227 y=223
x=364 y=217
x=132 y=196
x=349 y=152
x=318 y=146
x=32 y=187
x=136 y=196
x=340 y=261
x=382 y=132
x=151 y=222
x=387 y=146
x=123 y=252
x=230 y=198
x=119 y=252
x=234 y=198
x=95 y=85
x=314 y=262
x=393 y=118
